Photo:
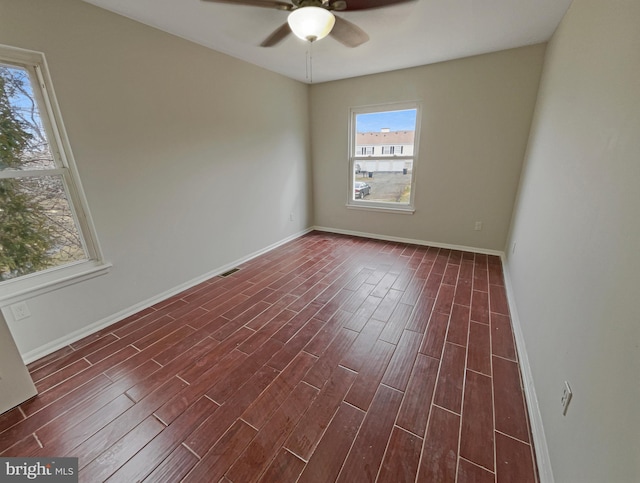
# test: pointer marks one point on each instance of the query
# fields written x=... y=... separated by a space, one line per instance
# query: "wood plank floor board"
x=285 y=467
x=207 y=435
x=67 y=412
x=223 y=454
x=154 y=379
x=319 y=343
x=329 y=358
x=174 y=467
x=110 y=434
x=458 y=332
x=46 y=383
x=396 y=324
x=275 y=309
x=365 y=456
x=121 y=451
x=450 y=383
x=440 y=450
x=402 y=457
x=68 y=436
x=263 y=448
x=368 y=379
x=334 y=304
x=10 y=418
x=477 y=433
x=402 y=361
x=292 y=348
x=276 y=393
x=52 y=412
x=421 y=315
x=229 y=383
x=328 y=361
x=153 y=454
x=310 y=429
x=435 y=335
x=358 y=353
x=81 y=384
x=416 y=405
x=327 y=460
x=266 y=331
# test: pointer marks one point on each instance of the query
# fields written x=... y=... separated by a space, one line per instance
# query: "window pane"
x=37 y=227
x=23 y=139
x=386 y=136
x=382 y=186
x=402 y=120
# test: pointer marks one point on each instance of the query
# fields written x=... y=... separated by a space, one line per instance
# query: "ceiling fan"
x=312 y=20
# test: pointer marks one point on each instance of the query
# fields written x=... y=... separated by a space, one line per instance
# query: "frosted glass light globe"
x=311 y=23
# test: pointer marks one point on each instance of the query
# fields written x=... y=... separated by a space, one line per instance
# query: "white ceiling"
x=406 y=35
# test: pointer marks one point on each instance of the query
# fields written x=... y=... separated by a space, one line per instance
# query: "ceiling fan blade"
x=348 y=34
x=277 y=36
x=353 y=5
x=257 y=3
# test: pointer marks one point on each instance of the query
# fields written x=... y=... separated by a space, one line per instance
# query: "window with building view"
x=383 y=156
x=42 y=222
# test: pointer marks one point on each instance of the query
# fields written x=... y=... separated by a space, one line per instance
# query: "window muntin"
x=45 y=235
x=383 y=154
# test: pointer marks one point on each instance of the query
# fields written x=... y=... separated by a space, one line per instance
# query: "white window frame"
x=354 y=158
x=44 y=281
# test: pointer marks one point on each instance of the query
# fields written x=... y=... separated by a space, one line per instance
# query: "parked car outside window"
x=361 y=189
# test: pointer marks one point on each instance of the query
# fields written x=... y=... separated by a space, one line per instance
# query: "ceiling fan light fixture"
x=311 y=23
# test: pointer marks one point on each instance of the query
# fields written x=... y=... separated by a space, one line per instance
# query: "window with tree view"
x=41 y=226
x=383 y=156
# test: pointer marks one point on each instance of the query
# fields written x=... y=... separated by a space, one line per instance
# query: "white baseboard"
x=75 y=336
x=409 y=240
x=535 y=417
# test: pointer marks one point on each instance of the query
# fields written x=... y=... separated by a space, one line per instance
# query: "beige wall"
x=576 y=266
x=475 y=123
x=189 y=159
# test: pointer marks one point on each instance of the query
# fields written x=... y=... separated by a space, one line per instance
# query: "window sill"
x=405 y=210
x=12 y=291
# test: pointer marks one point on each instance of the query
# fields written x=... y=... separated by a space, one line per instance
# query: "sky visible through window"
x=404 y=120
x=22 y=98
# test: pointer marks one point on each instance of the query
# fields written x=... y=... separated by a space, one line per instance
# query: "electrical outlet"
x=566 y=397
x=291 y=216
x=20 y=311
x=478 y=226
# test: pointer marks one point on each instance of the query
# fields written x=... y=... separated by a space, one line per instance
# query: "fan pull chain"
x=310 y=63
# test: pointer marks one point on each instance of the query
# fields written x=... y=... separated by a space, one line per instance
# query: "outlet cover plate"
x=20 y=311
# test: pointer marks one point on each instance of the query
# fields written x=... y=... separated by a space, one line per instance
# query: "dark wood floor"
x=331 y=358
